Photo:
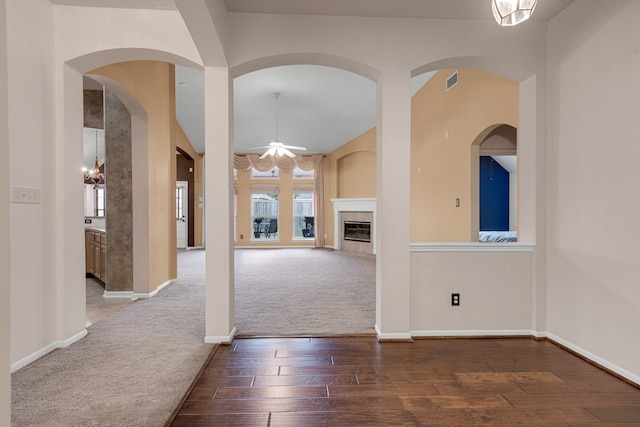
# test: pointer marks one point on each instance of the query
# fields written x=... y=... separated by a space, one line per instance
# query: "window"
x=100 y=201
x=95 y=202
x=303 y=219
x=301 y=174
x=179 y=200
x=264 y=211
x=271 y=173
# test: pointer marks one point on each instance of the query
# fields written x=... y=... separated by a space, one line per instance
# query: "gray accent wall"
x=93 y=109
x=118 y=170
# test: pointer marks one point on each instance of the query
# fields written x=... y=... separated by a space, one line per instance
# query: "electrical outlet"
x=455 y=300
x=457 y=203
x=25 y=195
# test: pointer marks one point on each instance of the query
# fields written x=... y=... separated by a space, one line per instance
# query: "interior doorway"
x=185 y=171
x=182 y=214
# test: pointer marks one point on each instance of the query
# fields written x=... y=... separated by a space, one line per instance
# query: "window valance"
x=243 y=162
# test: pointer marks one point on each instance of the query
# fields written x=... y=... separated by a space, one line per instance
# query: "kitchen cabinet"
x=96 y=253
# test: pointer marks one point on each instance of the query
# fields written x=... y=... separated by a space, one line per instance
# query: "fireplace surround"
x=361 y=210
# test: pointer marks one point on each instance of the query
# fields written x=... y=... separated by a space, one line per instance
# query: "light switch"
x=25 y=195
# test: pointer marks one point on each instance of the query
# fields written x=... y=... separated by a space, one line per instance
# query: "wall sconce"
x=512 y=12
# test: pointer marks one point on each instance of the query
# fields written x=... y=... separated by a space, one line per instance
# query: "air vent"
x=452 y=80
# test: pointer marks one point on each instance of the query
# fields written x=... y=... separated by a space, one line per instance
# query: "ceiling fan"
x=276 y=147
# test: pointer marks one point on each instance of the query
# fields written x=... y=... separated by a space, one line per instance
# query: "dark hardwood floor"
x=359 y=381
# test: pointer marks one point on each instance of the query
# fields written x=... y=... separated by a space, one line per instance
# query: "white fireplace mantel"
x=353 y=205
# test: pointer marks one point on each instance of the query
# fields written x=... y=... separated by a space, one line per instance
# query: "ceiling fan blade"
x=294 y=147
x=288 y=153
x=270 y=152
x=259 y=148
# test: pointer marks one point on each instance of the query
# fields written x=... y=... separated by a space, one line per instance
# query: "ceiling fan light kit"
x=512 y=12
x=276 y=148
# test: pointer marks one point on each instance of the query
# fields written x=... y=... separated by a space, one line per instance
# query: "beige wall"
x=349 y=172
x=5 y=378
x=152 y=84
x=444 y=125
x=183 y=142
x=494 y=287
x=592 y=179
x=356 y=166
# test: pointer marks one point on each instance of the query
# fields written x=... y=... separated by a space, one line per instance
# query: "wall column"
x=5 y=377
x=218 y=190
x=393 y=205
x=118 y=171
x=532 y=175
x=69 y=213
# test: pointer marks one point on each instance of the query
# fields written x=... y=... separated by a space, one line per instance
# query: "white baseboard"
x=153 y=293
x=221 y=339
x=117 y=294
x=596 y=359
x=392 y=336
x=45 y=350
x=473 y=333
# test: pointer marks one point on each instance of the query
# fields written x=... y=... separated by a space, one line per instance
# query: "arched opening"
x=452 y=114
x=495 y=186
x=130 y=124
x=145 y=280
x=114 y=201
x=294 y=77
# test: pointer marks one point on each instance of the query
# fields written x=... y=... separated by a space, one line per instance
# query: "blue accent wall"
x=494 y=195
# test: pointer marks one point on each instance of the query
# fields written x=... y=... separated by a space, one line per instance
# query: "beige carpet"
x=304 y=292
x=132 y=369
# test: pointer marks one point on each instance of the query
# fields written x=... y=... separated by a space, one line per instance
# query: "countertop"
x=96 y=229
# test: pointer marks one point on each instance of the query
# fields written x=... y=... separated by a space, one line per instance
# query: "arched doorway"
x=497 y=185
x=299 y=126
x=146 y=281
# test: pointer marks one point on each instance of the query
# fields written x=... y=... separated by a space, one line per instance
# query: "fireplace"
x=354 y=225
x=358 y=231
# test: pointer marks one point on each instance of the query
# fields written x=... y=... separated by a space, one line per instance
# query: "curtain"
x=319 y=205
x=244 y=162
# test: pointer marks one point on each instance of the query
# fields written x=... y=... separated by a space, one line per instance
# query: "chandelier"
x=94 y=176
x=512 y=12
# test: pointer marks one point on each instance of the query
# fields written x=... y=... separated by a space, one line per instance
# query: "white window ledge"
x=274 y=240
x=472 y=247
